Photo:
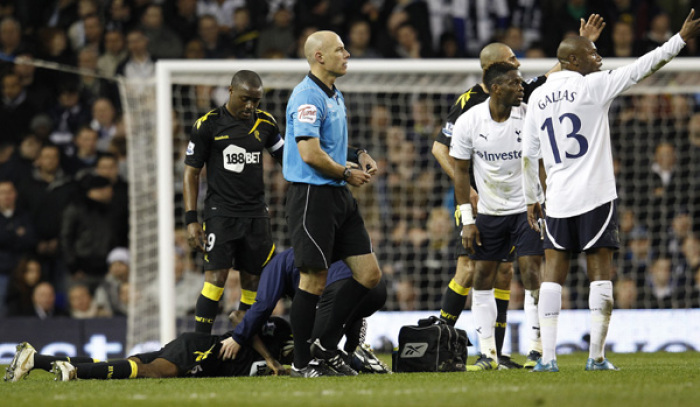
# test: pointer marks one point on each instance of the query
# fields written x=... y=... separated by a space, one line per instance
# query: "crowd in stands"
x=63 y=190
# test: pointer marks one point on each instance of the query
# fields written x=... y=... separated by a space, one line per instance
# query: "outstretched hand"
x=691 y=28
x=592 y=28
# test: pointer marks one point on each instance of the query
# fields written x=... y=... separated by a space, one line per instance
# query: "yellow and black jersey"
x=473 y=97
x=232 y=151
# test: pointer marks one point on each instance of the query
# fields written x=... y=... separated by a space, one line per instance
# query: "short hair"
x=246 y=77
x=494 y=73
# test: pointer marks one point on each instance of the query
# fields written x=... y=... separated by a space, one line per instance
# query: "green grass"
x=657 y=379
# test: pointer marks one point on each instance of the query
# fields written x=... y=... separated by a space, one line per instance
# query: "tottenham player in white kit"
x=567 y=126
x=488 y=136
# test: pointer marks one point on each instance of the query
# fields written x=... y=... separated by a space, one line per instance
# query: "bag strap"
x=431 y=320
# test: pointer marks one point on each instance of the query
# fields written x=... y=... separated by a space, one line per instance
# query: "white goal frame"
x=166 y=69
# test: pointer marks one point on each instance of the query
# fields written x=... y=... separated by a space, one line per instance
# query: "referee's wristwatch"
x=346 y=174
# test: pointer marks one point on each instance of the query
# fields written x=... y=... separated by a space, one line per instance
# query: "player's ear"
x=319 y=57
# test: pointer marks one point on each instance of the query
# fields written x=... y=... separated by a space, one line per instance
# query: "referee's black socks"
x=43 y=362
x=345 y=301
x=302 y=316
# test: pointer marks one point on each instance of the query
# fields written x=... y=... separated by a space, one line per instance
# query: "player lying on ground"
x=192 y=354
x=280 y=278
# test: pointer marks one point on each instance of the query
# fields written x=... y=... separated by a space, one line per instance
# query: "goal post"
x=396 y=86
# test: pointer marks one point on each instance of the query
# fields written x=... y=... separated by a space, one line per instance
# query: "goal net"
x=395 y=109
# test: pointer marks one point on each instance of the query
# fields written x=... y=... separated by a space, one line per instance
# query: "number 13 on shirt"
x=573 y=134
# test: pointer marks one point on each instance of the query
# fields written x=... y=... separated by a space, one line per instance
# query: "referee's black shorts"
x=325 y=225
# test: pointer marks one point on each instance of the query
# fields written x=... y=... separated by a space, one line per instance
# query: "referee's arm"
x=312 y=154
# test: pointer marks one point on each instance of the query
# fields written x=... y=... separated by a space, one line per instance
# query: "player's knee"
x=370 y=277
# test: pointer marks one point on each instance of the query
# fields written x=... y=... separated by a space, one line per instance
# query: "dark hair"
x=249 y=78
x=494 y=73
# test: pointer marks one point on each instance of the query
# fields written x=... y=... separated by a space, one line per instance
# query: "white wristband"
x=467 y=216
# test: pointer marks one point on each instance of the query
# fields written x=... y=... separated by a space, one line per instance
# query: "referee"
x=322 y=215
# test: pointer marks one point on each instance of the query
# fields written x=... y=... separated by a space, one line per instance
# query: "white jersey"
x=495 y=150
x=567 y=126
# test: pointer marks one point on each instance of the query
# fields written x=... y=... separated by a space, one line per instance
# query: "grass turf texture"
x=656 y=379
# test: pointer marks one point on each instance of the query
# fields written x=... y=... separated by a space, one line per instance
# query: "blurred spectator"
x=659 y=32
x=279 y=36
x=626 y=294
x=324 y=14
x=117 y=147
x=358 y=41
x=87 y=32
x=104 y=122
x=87 y=235
x=623 y=42
x=681 y=228
x=181 y=16
x=637 y=258
x=10 y=41
x=107 y=293
x=39 y=91
x=517 y=295
x=21 y=164
x=42 y=126
x=449 y=47
x=563 y=18
x=120 y=14
x=86 y=153
x=53 y=46
x=44 y=301
x=535 y=51
x=408 y=44
x=60 y=13
x=68 y=115
x=107 y=166
x=81 y=303
x=25 y=278
x=222 y=10
x=194 y=49
x=215 y=44
x=661 y=287
x=299 y=49
x=17 y=237
x=114 y=53
x=16 y=110
x=90 y=86
x=187 y=284
x=513 y=37
x=46 y=193
x=139 y=63
x=244 y=37
x=162 y=41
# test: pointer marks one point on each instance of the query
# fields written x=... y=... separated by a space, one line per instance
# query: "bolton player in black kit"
x=191 y=354
x=230 y=141
x=455 y=295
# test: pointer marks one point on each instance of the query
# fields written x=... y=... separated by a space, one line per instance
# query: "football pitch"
x=645 y=379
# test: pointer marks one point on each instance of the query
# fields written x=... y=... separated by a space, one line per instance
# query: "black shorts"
x=242 y=243
x=186 y=351
x=324 y=225
x=501 y=234
x=590 y=230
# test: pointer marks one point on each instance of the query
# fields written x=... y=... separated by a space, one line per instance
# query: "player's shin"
x=118 y=369
x=600 y=302
x=44 y=361
x=484 y=310
x=453 y=302
x=532 y=322
x=548 y=310
x=502 y=300
x=207 y=307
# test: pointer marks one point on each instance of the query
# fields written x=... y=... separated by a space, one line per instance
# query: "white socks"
x=600 y=302
x=532 y=322
x=484 y=309
x=549 y=308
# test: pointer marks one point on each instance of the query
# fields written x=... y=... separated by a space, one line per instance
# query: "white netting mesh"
x=408 y=206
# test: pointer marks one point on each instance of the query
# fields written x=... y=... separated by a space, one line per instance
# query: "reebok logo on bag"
x=431 y=346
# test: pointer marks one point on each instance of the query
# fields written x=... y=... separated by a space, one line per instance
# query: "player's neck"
x=499 y=111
